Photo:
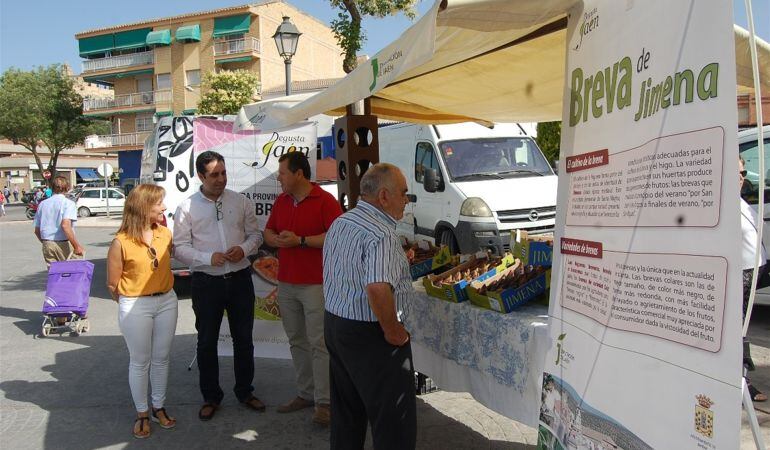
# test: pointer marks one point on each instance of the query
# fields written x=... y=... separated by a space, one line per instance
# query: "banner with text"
x=645 y=307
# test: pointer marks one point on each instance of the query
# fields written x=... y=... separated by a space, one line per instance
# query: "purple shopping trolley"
x=66 y=297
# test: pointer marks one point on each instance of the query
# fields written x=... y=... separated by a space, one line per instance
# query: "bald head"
x=379 y=176
x=384 y=186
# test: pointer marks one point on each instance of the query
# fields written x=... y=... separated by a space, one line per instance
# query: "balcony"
x=118 y=62
x=105 y=142
x=223 y=48
x=128 y=102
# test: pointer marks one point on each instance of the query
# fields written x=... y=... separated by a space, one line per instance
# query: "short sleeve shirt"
x=50 y=214
x=310 y=217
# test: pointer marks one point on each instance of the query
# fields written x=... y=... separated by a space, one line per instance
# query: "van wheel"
x=448 y=239
x=84 y=212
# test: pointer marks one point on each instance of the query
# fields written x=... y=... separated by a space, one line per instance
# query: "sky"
x=41 y=32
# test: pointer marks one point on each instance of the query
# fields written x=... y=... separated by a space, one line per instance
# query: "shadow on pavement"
x=84 y=402
x=30 y=322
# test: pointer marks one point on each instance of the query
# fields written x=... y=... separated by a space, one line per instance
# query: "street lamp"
x=286 y=37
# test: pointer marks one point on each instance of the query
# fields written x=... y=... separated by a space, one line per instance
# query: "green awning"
x=95 y=44
x=158 y=37
x=164 y=113
x=224 y=26
x=189 y=112
x=232 y=60
x=131 y=39
x=108 y=76
x=190 y=33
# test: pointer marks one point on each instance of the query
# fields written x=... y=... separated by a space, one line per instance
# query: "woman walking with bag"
x=140 y=280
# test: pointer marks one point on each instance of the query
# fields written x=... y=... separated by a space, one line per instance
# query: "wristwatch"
x=302 y=242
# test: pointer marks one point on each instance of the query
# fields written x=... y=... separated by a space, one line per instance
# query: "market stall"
x=497 y=358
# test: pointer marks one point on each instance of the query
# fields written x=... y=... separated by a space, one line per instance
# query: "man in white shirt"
x=214 y=232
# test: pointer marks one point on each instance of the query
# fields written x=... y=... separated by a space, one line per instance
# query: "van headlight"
x=475 y=207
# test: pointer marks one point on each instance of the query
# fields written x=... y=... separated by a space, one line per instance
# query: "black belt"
x=225 y=276
x=157 y=294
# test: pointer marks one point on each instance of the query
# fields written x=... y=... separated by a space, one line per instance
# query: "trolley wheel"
x=46 y=330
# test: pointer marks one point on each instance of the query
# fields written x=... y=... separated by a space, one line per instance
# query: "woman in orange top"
x=139 y=278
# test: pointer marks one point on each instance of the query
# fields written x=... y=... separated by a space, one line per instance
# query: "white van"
x=471 y=185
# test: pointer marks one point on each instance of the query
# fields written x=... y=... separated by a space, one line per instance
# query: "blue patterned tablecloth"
x=496 y=357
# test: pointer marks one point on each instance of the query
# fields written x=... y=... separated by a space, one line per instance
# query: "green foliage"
x=549 y=138
x=96 y=126
x=227 y=91
x=41 y=105
x=347 y=26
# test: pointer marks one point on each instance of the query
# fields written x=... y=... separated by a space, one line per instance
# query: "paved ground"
x=72 y=392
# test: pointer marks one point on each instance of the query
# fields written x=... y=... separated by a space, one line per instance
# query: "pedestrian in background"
x=215 y=229
x=749 y=252
x=139 y=278
x=3 y=200
x=15 y=194
x=297 y=226
x=55 y=225
x=366 y=282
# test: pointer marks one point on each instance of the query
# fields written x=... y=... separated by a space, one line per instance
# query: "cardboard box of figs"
x=511 y=288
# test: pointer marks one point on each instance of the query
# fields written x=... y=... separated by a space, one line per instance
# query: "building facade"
x=19 y=169
x=747 y=111
x=156 y=66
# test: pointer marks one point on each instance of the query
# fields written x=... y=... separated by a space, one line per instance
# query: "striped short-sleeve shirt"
x=362 y=248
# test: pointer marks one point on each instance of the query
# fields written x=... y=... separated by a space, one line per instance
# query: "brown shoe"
x=295 y=405
x=322 y=415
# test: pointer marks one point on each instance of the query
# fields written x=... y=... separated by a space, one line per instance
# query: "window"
x=425 y=158
x=193 y=77
x=144 y=122
x=115 y=195
x=508 y=156
x=90 y=194
x=163 y=81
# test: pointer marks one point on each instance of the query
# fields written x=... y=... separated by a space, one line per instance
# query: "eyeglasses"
x=154 y=256
x=743 y=172
x=220 y=214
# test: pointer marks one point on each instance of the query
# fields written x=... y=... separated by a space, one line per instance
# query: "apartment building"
x=155 y=67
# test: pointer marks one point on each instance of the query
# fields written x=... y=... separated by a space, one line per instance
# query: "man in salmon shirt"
x=297 y=226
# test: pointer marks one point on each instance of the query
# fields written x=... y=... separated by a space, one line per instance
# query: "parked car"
x=94 y=200
x=749 y=151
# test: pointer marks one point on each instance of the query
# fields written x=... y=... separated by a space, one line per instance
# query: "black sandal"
x=170 y=422
x=210 y=415
x=756 y=395
x=141 y=421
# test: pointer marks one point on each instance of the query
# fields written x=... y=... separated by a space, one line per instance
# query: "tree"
x=227 y=91
x=549 y=138
x=347 y=26
x=42 y=106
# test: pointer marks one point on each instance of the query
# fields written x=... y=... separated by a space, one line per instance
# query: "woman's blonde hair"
x=136 y=212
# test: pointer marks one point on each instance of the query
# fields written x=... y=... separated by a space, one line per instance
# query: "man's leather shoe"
x=295 y=405
x=322 y=415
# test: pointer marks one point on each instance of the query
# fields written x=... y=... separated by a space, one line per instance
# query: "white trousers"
x=148 y=325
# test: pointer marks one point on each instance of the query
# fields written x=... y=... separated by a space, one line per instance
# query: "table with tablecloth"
x=497 y=358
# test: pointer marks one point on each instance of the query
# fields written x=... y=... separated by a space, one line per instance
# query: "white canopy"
x=467 y=60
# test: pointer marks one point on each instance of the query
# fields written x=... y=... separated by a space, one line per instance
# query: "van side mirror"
x=430 y=180
x=556 y=166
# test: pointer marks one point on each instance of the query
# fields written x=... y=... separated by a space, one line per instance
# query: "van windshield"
x=497 y=157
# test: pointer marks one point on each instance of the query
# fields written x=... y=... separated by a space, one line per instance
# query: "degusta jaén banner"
x=645 y=307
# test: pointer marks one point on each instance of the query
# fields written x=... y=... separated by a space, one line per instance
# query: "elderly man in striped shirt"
x=366 y=280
